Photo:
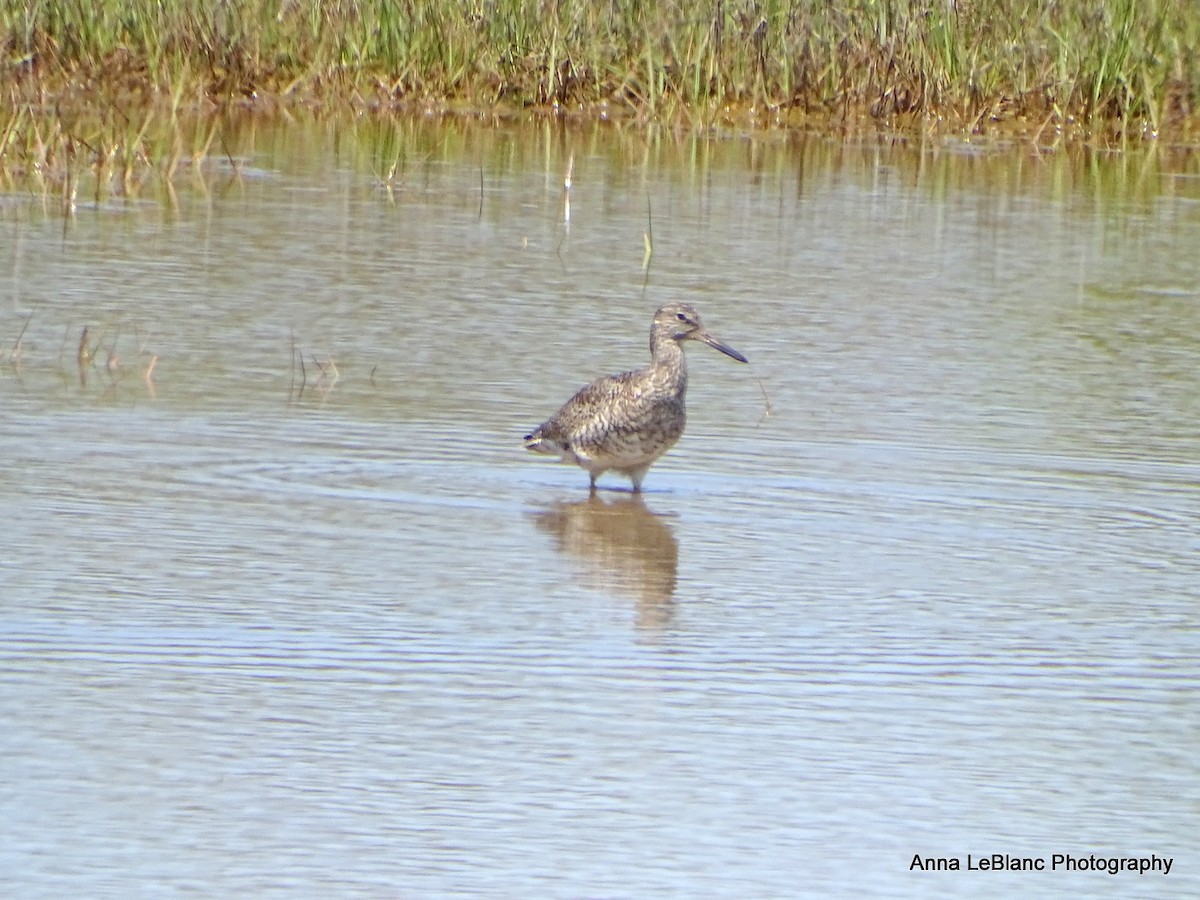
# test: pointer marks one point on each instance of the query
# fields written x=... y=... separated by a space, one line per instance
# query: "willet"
x=625 y=422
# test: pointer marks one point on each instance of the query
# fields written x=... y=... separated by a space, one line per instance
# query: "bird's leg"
x=636 y=477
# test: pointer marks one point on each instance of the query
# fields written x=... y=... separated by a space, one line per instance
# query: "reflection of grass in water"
x=99 y=361
x=398 y=149
x=79 y=153
x=116 y=359
x=135 y=65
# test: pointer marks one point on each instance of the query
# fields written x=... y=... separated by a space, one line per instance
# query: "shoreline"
x=67 y=158
x=126 y=84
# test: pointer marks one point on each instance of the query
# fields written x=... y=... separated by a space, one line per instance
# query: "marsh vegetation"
x=119 y=86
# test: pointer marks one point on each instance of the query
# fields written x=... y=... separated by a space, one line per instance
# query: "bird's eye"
x=681 y=317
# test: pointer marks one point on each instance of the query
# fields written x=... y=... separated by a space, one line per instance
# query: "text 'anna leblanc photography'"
x=1057 y=862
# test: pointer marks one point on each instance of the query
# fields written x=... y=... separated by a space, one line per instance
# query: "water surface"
x=921 y=579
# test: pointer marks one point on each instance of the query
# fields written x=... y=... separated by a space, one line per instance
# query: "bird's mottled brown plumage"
x=625 y=422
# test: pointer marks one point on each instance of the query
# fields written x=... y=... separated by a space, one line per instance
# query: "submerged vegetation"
x=111 y=81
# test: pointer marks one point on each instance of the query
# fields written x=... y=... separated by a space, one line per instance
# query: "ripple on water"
x=940 y=600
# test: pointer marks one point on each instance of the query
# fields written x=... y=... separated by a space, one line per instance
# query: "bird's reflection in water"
x=622 y=547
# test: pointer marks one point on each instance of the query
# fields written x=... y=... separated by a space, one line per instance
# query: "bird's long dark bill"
x=717 y=345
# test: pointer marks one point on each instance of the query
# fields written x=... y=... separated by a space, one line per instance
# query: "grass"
x=1123 y=60
x=108 y=84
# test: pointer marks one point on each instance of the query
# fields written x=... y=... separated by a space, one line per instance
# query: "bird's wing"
x=588 y=403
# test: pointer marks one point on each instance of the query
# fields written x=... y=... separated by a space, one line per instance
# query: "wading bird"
x=625 y=422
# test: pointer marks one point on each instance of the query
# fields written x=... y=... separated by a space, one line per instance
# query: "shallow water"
x=922 y=579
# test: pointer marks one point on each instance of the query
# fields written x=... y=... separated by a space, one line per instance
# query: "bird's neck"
x=668 y=365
